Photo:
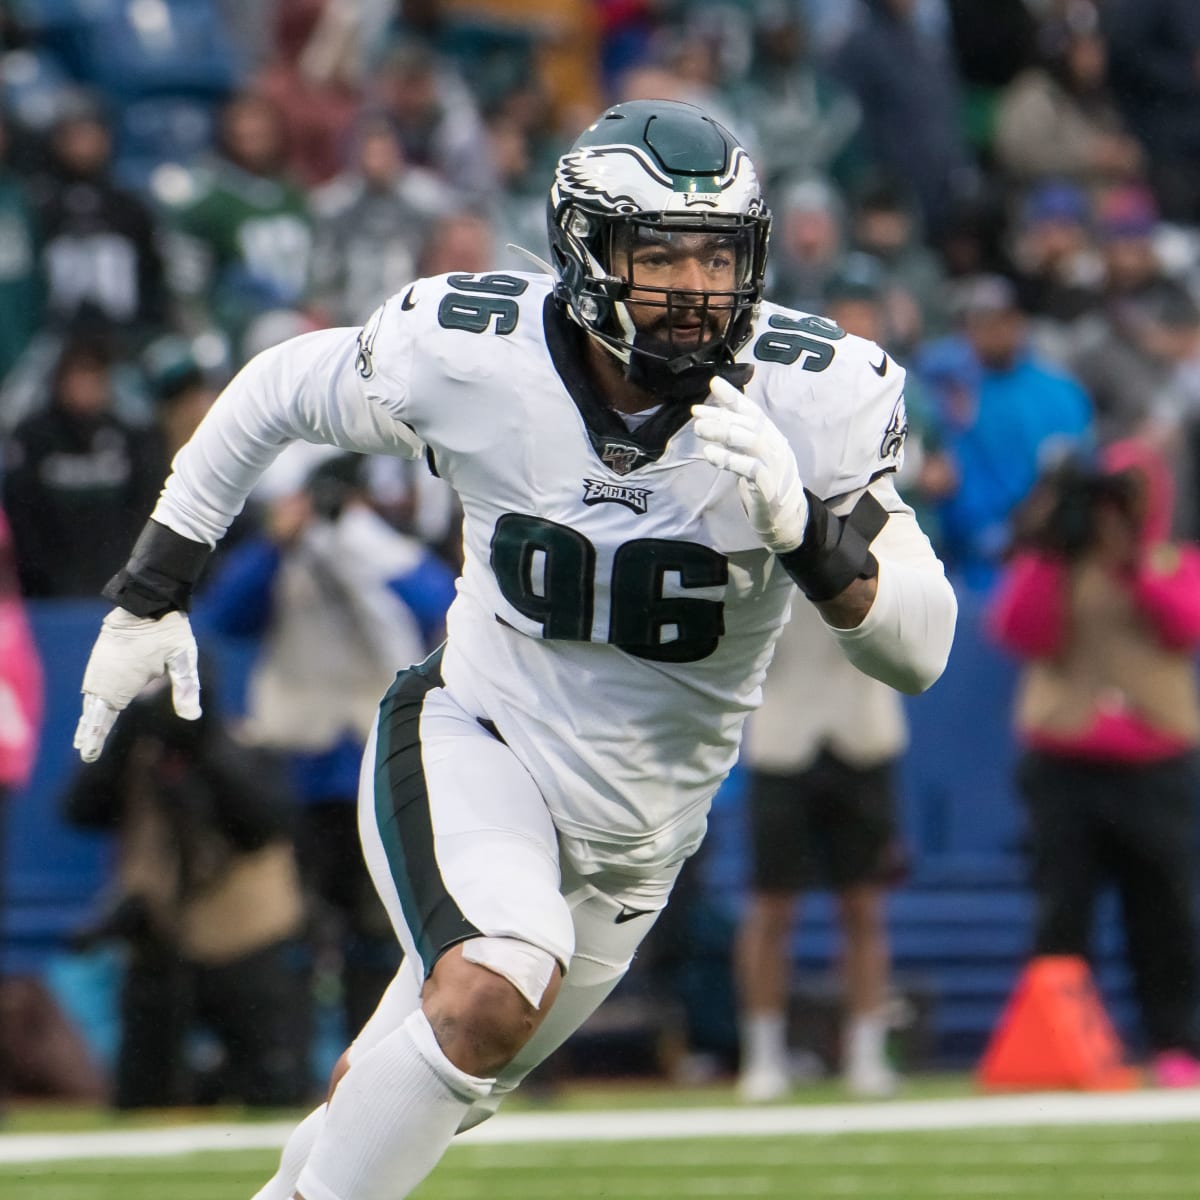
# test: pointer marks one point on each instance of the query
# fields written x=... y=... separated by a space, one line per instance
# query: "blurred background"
x=1006 y=196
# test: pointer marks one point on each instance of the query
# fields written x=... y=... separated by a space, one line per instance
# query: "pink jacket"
x=20 y=677
x=1031 y=617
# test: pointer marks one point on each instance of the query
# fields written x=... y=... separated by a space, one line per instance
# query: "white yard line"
x=987 y=1112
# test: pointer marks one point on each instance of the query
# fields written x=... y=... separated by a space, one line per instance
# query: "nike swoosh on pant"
x=628 y=914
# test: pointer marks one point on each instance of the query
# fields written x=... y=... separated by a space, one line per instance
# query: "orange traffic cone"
x=1054 y=1033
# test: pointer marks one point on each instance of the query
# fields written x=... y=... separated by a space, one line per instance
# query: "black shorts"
x=830 y=826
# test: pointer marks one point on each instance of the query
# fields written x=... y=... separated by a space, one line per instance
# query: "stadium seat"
x=63 y=27
x=157 y=130
x=131 y=48
x=31 y=82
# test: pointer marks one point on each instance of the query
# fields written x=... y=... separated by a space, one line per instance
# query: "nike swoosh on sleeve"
x=880 y=369
x=408 y=302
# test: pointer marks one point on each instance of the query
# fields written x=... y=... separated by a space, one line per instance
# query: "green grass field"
x=1041 y=1162
x=1116 y=1163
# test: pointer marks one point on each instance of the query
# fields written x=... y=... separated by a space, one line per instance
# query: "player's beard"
x=677 y=329
x=655 y=349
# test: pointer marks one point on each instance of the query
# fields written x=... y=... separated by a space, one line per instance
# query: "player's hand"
x=129 y=653
x=739 y=437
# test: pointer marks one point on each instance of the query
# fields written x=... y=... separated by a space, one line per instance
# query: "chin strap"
x=690 y=385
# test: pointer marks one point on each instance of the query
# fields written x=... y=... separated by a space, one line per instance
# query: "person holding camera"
x=335 y=597
x=1104 y=611
x=206 y=906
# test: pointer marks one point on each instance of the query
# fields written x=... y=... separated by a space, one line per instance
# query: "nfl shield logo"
x=620 y=457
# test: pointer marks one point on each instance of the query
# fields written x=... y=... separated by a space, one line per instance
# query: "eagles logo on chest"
x=599 y=491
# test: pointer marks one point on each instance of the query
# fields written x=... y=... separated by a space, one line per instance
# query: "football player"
x=651 y=462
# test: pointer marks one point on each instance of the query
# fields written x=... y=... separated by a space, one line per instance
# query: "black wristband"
x=160 y=574
x=836 y=550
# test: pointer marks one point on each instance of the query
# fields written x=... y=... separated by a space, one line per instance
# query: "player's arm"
x=308 y=388
x=895 y=620
x=862 y=559
x=849 y=608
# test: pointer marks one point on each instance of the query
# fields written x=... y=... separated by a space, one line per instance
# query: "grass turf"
x=1109 y=1163
x=617 y=1095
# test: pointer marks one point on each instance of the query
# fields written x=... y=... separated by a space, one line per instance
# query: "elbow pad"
x=160 y=574
x=836 y=550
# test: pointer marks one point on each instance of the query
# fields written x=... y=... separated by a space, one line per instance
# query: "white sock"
x=282 y=1185
x=866 y=1039
x=390 y=1119
x=764 y=1042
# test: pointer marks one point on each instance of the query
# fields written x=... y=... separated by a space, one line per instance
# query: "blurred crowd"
x=1009 y=191
x=1006 y=196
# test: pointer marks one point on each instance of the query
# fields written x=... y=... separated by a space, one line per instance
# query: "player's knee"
x=486 y=997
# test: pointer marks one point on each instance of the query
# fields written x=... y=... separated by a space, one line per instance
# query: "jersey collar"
x=619 y=448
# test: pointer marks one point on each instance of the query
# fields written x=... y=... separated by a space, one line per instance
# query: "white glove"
x=739 y=437
x=129 y=653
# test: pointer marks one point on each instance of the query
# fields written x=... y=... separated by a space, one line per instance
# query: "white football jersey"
x=616 y=612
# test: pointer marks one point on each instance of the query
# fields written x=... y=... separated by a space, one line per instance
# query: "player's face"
x=860 y=316
x=996 y=336
x=677 y=280
x=83 y=388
